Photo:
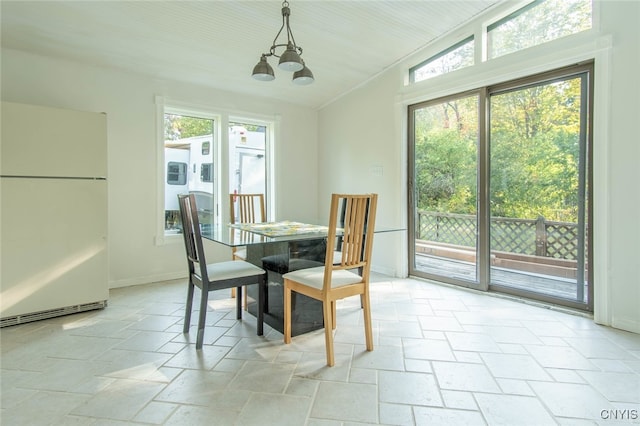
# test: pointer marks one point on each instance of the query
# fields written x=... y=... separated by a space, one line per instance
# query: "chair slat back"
x=247 y=208
x=192 y=236
x=356 y=215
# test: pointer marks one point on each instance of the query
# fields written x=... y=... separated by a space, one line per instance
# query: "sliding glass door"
x=444 y=169
x=539 y=183
x=499 y=183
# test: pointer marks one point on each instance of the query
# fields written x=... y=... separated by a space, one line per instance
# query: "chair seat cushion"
x=231 y=269
x=313 y=277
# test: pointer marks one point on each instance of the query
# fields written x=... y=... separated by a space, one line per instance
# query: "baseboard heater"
x=51 y=313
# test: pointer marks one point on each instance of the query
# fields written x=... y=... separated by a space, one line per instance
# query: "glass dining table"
x=278 y=248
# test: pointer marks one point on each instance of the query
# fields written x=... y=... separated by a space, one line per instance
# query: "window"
x=539 y=22
x=188 y=158
x=206 y=147
x=196 y=155
x=456 y=57
x=206 y=172
x=176 y=173
x=247 y=161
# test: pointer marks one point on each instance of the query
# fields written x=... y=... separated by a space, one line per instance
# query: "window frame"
x=484 y=91
x=206 y=172
x=514 y=14
x=480 y=34
x=220 y=149
x=413 y=69
x=182 y=173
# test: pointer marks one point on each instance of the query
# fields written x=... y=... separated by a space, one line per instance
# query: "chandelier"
x=290 y=59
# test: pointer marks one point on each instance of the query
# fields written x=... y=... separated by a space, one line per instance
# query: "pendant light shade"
x=263 y=71
x=290 y=58
x=303 y=77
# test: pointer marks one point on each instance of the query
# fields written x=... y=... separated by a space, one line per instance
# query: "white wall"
x=363 y=151
x=622 y=229
x=129 y=101
x=367 y=127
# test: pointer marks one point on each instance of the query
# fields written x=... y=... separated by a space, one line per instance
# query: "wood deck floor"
x=556 y=287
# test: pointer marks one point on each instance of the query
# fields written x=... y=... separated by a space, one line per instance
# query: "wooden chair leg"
x=368 y=333
x=202 y=316
x=333 y=315
x=328 y=332
x=287 y=313
x=233 y=293
x=187 y=313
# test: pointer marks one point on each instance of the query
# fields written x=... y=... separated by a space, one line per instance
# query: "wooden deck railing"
x=539 y=237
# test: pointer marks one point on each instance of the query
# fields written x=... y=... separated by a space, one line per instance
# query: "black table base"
x=278 y=259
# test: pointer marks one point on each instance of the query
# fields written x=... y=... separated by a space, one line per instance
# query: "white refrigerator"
x=53 y=212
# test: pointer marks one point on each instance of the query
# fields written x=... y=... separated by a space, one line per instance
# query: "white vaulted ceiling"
x=217 y=43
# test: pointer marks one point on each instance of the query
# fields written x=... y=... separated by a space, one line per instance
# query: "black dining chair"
x=214 y=276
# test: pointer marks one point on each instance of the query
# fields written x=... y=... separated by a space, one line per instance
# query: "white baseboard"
x=627 y=324
x=392 y=272
x=147 y=279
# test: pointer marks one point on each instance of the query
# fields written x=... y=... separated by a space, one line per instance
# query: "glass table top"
x=269 y=232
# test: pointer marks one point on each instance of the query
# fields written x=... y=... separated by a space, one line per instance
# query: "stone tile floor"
x=443 y=356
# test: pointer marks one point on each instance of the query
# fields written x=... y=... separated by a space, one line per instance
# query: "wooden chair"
x=214 y=276
x=245 y=208
x=337 y=279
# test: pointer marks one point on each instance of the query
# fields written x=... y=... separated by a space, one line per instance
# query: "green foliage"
x=534 y=144
x=460 y=57
x=447 y=180
x=534 y=152
x=182 y=126
x=249 y=127
x=542 y=21
x=445 y=159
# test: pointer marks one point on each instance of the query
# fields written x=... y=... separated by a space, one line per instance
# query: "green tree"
x=541 y=21
x=534 y=151
x=534 y=144
x=182 y=126
x=445 y=156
